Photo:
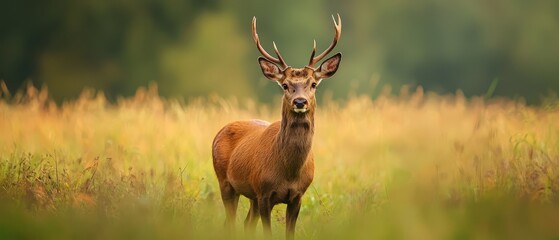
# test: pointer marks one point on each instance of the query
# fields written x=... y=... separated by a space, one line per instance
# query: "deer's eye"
x=313 y=85
x=284 y=86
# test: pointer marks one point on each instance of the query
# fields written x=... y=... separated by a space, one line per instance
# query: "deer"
x=273 y=163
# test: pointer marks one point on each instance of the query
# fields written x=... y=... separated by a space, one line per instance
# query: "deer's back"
x=227 y=141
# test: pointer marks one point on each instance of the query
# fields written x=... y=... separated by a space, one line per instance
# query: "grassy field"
x=415 y=166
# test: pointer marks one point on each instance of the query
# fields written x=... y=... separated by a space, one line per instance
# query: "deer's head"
x=299 y=84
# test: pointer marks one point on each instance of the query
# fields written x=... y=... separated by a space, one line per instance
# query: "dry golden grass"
x=408 y=167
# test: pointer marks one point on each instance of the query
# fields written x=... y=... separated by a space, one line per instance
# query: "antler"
x=278 y=60
x=337 y=34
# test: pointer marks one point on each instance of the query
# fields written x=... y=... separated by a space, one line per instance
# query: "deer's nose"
x=300 y=102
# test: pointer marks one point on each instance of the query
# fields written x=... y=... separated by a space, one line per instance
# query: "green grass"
x=415 y=166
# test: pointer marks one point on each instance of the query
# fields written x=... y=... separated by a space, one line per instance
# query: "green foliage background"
x=192 y=48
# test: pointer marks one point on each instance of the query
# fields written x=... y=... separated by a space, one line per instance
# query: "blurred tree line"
x=196 y=47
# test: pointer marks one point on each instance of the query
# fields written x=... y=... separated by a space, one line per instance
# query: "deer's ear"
x=329 y=67
x=270 y=69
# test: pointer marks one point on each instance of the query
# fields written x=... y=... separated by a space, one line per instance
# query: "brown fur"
x=272 y=163
x=269 y=164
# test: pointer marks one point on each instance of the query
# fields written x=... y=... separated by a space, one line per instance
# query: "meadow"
x=412 y=165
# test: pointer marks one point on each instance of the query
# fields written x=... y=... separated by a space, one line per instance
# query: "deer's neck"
x=294 y=140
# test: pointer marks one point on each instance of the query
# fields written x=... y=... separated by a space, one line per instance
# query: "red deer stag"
x=273 y=163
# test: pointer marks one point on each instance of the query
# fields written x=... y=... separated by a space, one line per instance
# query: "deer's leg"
x=230 y=200
x=291 y=214
x=252 y=216
x=265 y=209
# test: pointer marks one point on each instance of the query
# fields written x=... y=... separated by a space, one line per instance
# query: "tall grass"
x=413 y=166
